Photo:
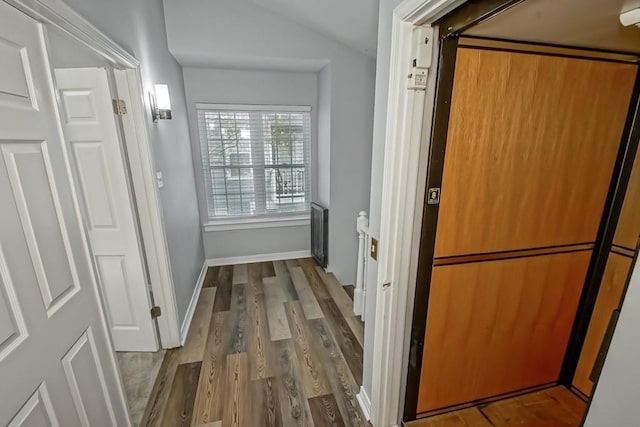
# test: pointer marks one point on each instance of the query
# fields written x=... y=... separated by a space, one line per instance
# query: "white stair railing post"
x=362 y=226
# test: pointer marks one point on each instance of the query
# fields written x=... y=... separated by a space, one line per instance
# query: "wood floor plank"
x=268 y=269
x=266 y=410
x=237 y=394
x=211 y=278
x=337 y=292
x=325 y=411
x=260 y=347
x=567 y=399
x=471 y=417
x=262 y=362
x=276 y=315
x=308 y=299
x=543 y=407
x=292 y=263
x=313 y=375
x=193 y=350
x=179 y=407
x=238 y=307
x=293 y=401
x=315 y=282
x=343 y=385
x=239 y=274
x=209 y=397
x=161 y=389
x=349 y=289
x=350 y=347
x=357 y=327
x=223 y=286
x=284 y=278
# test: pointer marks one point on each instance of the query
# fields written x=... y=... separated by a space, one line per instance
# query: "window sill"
x=254 y=223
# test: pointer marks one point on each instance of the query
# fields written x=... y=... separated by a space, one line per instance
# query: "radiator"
x=319 y=234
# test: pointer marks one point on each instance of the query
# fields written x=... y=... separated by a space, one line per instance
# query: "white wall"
x=377 y=164
x=616 y=397
x=238 y=34
x=250 y=87
x=138 y=26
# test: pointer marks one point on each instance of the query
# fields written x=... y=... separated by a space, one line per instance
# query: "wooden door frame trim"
x=58 y=14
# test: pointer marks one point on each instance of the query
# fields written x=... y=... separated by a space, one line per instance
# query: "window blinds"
x=256 y=159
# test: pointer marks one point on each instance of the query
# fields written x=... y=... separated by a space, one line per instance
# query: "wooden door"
x=57 y=366
x=530 y=150
x=89 y=127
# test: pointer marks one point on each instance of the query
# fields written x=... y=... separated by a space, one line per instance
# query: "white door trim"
x=404 y=179
x=130 y=88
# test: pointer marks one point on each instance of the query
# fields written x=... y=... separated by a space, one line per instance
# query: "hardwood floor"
x=270 y=344
x=550 y=407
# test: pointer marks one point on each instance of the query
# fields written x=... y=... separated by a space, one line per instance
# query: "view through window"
x=255 y=159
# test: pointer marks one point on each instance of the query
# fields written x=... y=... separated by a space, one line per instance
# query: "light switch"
x=159 y=179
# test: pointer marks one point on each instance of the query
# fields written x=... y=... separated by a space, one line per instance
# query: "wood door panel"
x=498 y=326
x=628 y=227
x=611 y=288
x=530 y=150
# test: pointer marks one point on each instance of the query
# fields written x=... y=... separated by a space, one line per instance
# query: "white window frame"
x=282 y=219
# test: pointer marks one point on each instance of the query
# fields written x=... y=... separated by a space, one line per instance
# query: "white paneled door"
x=89 y=126
x=57 y=366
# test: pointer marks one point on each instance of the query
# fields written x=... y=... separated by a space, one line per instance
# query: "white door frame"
x=404 y=179
x=130 y=89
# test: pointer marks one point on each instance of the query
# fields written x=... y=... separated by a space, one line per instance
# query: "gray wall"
x=377 y=164
x=615 y=399
x=139 y=27
x=66 y=52
x=250 y=87
x=241 y=35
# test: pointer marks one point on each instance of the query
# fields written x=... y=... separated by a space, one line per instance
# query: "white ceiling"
x=581 y=23
x=353 y=23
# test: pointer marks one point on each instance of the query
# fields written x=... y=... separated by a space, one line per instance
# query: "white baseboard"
x=258 y=258
x=358 y=302
x=365 y=403
x=184 y=329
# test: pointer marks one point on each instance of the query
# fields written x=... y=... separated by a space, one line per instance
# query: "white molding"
x=278 y=256
x=401 y=203
x=365 y=403
x=424 y=12
x=191 y=309
x=251 y=107
x=254 y=223
x=129 y=88
x=63 y=17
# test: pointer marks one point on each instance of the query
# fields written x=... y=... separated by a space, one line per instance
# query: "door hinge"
x=119 y=107
x=433 y=196
x=155 y=312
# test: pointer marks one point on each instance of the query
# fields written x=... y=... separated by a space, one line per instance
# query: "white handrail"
x=360 y=291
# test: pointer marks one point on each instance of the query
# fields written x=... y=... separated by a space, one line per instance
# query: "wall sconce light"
x=160 y=103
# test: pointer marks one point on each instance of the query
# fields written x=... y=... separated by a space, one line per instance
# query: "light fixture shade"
x=163 y=102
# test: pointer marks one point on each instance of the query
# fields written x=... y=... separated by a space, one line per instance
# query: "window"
x=255 y=159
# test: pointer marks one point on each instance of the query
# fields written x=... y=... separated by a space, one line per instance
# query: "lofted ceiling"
x=353 y=23
x=581 y=23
